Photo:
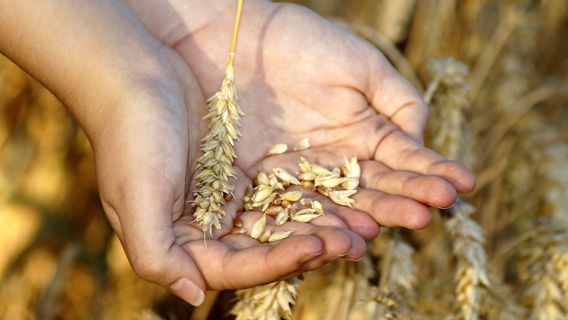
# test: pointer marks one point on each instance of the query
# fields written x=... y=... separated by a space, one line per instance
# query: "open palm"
x=302 y=77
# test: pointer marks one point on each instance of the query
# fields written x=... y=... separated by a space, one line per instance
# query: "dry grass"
x=507 y=119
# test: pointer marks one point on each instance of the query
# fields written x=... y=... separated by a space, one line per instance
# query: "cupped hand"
x=145 y=151
x=302 y=77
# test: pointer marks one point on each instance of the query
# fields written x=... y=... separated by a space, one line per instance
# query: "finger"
x=399 y=152
x=428 y=189
x=226 y=268
x=359 y=222
x=339 y=244
x=392 y=211
x=146 y=221
x=393 y=96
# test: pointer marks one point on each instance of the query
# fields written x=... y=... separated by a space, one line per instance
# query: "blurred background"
x=60 y=260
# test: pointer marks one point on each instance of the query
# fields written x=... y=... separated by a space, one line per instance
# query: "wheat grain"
x=277 y=149
x=304 y=144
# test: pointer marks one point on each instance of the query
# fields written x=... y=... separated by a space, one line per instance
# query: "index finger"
x=400 y=152
x=391 y=95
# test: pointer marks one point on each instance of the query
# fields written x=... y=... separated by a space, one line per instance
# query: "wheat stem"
x=233 y=49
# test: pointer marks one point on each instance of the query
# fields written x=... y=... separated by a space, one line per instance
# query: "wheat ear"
x=544 y=266
x=271 y=301
x=216 y=163
x=471 y=274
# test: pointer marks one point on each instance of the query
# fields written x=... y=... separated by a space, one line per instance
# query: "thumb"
x=145 y=213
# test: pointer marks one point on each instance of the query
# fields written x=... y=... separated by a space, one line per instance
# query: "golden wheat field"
x=496 y=75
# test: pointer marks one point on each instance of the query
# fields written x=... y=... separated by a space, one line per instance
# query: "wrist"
x=102 y=97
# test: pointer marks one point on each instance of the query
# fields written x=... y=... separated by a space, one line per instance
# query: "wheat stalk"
x=215 y=165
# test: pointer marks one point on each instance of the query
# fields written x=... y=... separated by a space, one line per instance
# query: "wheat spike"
x=271 y=301
x=467 y=245
x=216 y=163
x=449 y=127
x=545 y=267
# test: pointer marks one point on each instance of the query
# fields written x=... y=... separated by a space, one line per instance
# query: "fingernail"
x=355 y=260
x=444 y=208
x=188 y=291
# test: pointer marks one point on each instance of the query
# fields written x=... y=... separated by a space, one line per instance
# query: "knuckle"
x=148 y=266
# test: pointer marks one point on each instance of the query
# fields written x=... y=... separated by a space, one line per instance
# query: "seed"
x=319 y=170
x=272 y=180
x=265 y=236
x=307 y=176
x=262 y=178
x=308 y=185
x=291 y=196
x=305 y=215
x=262 y=193
x=351 y=168
x=330 y=181
x=304 y=165
x=351 y=183
x=342 y=197
x=282 y=217
x=273 y=210
x=279 y=235
x=285 y=176
x=302 y=145
x=277 y=149
x=317 y=206
x=266 y=203
x=258 y=227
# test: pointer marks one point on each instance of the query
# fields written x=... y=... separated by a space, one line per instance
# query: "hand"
x=145 y=157
x=302 y=77
x=141 y=108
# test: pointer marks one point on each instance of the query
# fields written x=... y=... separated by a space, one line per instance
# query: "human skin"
x=141 y=108
x=299 y=77
x=302 y=77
